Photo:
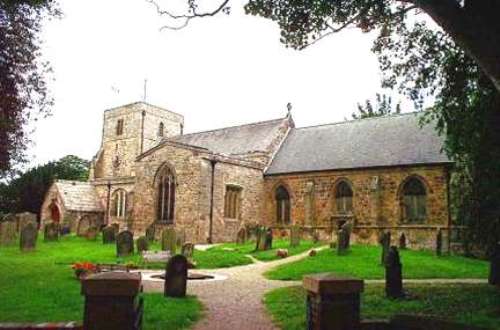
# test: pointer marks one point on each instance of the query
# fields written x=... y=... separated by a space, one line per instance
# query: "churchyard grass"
x=472 y=304
x=40 y=286
x=363 y=261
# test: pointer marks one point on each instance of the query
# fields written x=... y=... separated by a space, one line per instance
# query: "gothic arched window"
x=161 y=129
x=119 y=207
x=232 y=202
x=343 y=197
x=166 y=196
x=282 y=205
x=414 y=201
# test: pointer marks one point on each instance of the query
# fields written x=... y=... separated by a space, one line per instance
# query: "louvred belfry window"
x=282 y=205
x=166 y=196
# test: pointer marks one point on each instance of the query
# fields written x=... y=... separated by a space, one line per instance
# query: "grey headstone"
x=142 y=244
x=264 y=239
x=169 y=240
x=268 y=239
x=108 y=235
x=8 y=231
x=24 y=218
x=51 y=232
x=241 y=236
x=124 y=244
x=342 y=241
x=295 y=235
x=494 y=276
x=176 y=277
x=393 y=274
x=385 y=242
x=402 y=241
x=439 y=242
x=28 y=237
x=150 y=233
x=348 y=229
x=188 y=250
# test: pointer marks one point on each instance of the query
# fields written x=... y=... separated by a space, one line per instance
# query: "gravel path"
x=235 y=303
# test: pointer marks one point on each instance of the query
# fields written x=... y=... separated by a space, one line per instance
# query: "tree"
x=383 y=108
x=27 y=192
x=23 y=90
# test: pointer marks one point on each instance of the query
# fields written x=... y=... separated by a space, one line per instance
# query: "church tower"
x=127 y=132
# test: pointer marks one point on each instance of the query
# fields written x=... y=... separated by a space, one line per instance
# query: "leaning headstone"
x=108 y=235
x=385 y=242
x=51 y=232
x=268 y=242
x=393 y=274
x=176 y=277
x=402 y=241
x=342 y=241
x=169 y=240
x=241 y=236
x=28 y=237
x=439 y=242
x=150 y=233
x=494 y=276
x=142 y=244
x=124 y=244
x=8 y=231
x=295 y=233
x=91 y=233
x=188 y=250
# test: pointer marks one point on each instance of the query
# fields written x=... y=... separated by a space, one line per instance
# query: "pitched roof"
x=372 y=142
x=78 y=196
x=235 y=140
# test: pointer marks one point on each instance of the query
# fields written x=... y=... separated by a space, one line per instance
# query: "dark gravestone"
x=28 y=237
x=169 y=240
x=241 y=236
x=348 y=228
x=176 y=277
x=51 y=232
x=402 y=241
x=268 y=243
x=494 y=277
x=150 y=233
x=8 y=231
x=342 y=241
x=142 y=244
x=385 y=242
x=295 y=234
x=393 y=274
x=188 y=250
x=91 y=233
x=124 y=244
x=439 y=242
x=108 y=235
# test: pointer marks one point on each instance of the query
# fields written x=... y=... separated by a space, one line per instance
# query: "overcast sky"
x=217 y=72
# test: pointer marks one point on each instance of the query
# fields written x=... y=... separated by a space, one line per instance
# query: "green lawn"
x=364 y=262
x=470 y=304
x=40 y=286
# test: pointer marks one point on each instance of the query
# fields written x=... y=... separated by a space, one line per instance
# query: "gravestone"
x=348 y=228
x=124 y=244
x=402 y=241
x=83 y=226
x=28 y=237
x=295 y=233
x=439 y=242
x=393 y=274
x=108 y=235
x=260 y=235
x=241 y=236
x=91 y=233
x=494 y=276
x=169 y=240
x=342 y=241
x=24 y=218
x=8 y=231
x=51 y=232
x=142 y=244
x=176 y=277
x=268 y=242
x=188 y=250
x=150 y=233
x=181 y=237
x=385 y=242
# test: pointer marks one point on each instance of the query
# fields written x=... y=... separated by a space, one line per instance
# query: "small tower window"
x=161 y=129
x=119 y=127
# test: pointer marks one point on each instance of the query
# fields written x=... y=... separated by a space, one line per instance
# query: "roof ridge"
x=362 y=119
x=229 y=127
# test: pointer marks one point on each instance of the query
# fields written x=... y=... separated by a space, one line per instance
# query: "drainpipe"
x=107 y=203
x=210 y=228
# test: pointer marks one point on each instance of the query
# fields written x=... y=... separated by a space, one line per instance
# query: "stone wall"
x=375 y=207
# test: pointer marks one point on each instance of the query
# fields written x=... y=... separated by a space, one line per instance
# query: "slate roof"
x=235 y=140
x=372 y=142
x=78 y=196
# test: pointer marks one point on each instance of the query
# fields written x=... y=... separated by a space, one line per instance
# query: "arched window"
x=414 y=200
x=343 y=198
x=119 y=127
x=166 y=196
x=282 y=205
x=119 y=207
x=161 y=129
x=232 y=202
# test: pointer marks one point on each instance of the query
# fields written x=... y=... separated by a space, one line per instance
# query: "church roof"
x=78 y=196
x=373 y=142
x=235 y=140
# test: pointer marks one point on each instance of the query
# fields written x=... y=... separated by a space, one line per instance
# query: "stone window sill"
x=231 y=220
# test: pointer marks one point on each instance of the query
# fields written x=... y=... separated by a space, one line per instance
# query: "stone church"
x=379 y=174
